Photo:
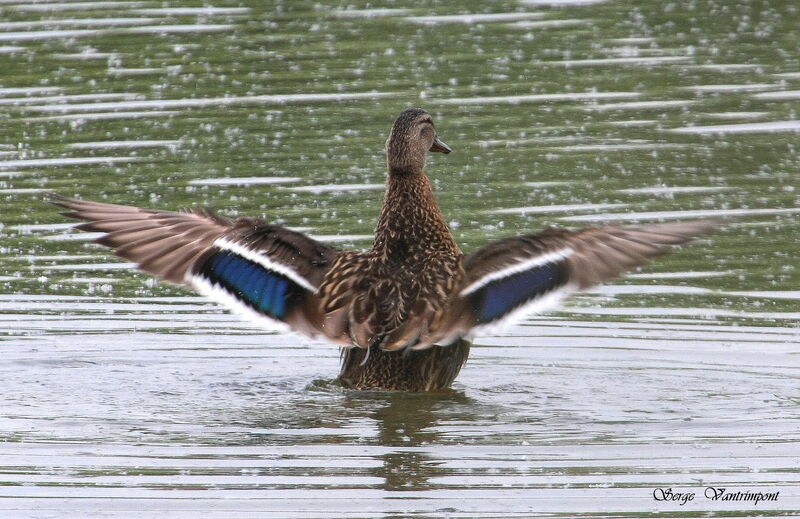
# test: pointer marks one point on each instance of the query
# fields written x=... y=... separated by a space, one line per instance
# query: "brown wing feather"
x=607 y=252
x=141 y=235
x=171 y=244
x=597 y=255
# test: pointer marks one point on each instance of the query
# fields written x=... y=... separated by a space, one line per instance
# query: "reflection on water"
x=127 y=398
x=564 y=416
x=408 y=420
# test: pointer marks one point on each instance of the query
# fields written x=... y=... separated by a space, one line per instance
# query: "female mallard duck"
x=405 y=309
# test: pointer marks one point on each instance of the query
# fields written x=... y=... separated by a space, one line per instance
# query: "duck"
x=404 y=312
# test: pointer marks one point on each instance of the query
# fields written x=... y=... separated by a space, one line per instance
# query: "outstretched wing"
x=526 y=274
x=264 y=271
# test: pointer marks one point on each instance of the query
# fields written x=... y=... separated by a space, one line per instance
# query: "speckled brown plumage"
x=403 y=311
x=431 y=369
x=385 y=296
x=392 y=293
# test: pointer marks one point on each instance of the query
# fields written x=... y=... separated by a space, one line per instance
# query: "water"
x=127 y=398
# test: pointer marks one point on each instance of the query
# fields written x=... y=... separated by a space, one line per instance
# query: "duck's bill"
x=441 y=147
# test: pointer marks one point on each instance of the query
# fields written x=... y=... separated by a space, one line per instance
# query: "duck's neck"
x=410 y=221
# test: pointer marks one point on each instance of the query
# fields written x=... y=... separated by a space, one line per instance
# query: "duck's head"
x=410 y=140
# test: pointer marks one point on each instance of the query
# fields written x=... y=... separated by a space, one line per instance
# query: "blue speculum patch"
x=258 y=287
x=504 y=295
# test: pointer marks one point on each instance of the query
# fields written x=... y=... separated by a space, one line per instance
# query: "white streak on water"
x=550 y=24
x=73 y=299
x=474 y=18
x=643 y=61
x=23 y=191
x=99 y=305
x=29 y=91
x=681 y=275
x=135 y=71
x=508 y=143
x=769 y=294
x=510 y=480
x=79 y=236
x=561 y=3
x=103 y=116
x=203 y=463
x=85 y=55
x=642 y=105
x=28 y=228
x=536 y=98
x=694 y=313
x=333 y=188
x=90 y=280
x=189 y=480
x=784 y=95
x=11 y=49
x=700 y=213
x=66 y=161
x=749 y=87
x=67 y=98
x=726 y=67
x=774 y=126
x=614 y=290
x=50 y=35
x=101 y=145
x=547 y=184
x=88 y=22
x=85 y=266
x=243 y=181
x=83 y=33
x=193 y=11
x=636 y=122
x=369 y=13
x=582 y=148
x=75 y=6
x=60 y=257
x=736 y=115
x=670 y=190
x=211 y=101
x=632 y=41
x=190 y=28
x=544 y=209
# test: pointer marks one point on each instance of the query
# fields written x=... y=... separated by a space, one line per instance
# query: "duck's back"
x=390 y=295
x=371 y=302
x=386 y=311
